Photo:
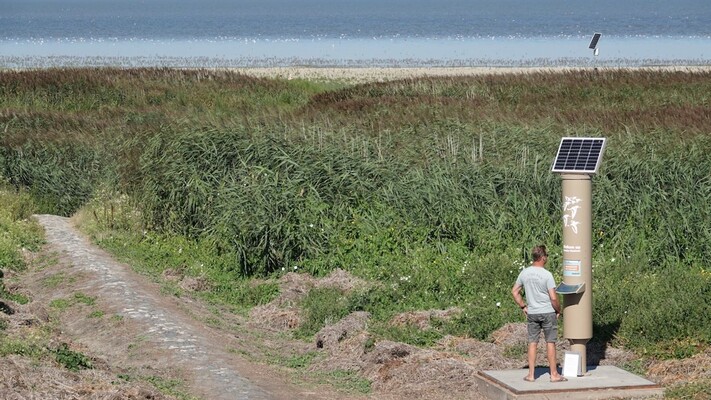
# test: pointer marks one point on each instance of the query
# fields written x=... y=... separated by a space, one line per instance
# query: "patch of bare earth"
x=35 y=373
x=21 y=378
x=446 y=371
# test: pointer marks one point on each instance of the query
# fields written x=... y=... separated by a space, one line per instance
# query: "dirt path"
x=150 y=330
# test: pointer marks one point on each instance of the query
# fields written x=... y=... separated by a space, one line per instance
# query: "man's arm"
x=516 y=292
x=554 y=300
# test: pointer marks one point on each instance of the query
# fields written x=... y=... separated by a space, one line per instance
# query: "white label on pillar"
x=571 y=249
x=571 y=205
x=571 y=267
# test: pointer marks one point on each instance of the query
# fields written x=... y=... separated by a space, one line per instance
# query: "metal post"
x=577 y=262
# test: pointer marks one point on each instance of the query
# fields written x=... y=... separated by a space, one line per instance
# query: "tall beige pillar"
x=577 y=262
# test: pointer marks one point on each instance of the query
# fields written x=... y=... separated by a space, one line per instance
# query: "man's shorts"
x=546 y=322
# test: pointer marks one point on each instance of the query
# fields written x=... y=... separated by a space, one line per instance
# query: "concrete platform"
x=600 y=382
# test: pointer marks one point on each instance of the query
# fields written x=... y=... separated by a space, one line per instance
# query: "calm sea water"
x=353 y=32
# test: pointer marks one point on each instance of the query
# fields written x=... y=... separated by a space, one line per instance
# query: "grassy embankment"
x=435 y=187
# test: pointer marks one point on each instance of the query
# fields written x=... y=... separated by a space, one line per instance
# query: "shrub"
x=322 y=307
x=71 y=360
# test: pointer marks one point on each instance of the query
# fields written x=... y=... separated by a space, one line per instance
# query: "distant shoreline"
x=11 y=58
x=363 y=74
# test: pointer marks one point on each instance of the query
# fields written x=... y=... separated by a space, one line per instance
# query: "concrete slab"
x=600 y=382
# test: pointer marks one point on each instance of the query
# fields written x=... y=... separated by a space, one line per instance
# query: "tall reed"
x=435 y=186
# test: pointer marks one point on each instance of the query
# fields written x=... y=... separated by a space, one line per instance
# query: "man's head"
x=539 y=254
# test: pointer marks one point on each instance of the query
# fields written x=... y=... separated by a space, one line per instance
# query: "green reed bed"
x=436 y=187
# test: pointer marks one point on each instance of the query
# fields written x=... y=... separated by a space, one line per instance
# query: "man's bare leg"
x=552 y=362
x=531 y=362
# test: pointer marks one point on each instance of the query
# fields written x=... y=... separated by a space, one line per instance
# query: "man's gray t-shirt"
x=536 y=281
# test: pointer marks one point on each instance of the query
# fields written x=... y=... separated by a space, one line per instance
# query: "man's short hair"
x=539 y=252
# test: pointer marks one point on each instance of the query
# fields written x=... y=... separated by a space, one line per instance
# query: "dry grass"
x=423 y=319
x=22 y=378
x=668 y=372
x=34 y=373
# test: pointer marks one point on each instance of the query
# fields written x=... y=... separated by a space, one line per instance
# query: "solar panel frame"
x=578 y=155
x=594 y=40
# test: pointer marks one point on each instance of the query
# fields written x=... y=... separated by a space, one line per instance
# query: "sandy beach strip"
x=382 y=74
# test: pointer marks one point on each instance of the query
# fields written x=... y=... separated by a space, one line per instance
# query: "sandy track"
x=169 y=337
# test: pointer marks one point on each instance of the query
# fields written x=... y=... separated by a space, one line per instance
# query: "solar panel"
x=595 y=39
x=579 y=155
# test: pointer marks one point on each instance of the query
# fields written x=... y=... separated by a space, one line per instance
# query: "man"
x=541 y=308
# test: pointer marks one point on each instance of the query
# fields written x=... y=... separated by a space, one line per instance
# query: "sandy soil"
x=372 y=74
